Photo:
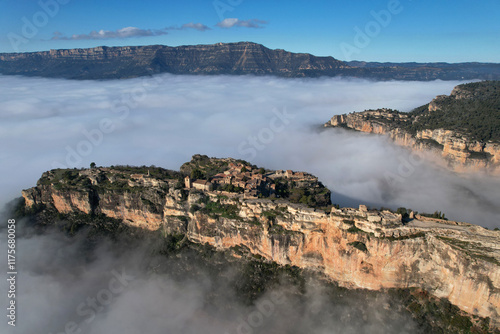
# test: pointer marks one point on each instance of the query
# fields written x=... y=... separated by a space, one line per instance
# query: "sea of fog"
x=271 y=122
x=163 y=121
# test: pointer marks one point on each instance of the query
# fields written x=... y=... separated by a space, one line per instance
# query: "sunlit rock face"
x=358 y=248
x=455 y=150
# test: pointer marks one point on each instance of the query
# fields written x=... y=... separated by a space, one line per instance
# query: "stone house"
x=202 y=185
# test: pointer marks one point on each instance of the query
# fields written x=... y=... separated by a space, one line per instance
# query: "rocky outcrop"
x=358 y=248
x=454 y=149
x=221 y=58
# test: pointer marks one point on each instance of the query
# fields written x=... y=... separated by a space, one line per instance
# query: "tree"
x=196 y=174
x=402 y=211
x=92 y=165
x=243 y=169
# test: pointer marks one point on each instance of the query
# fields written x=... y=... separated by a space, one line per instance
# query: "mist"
x=163 y=121
x=271 y=122
x=65 y=286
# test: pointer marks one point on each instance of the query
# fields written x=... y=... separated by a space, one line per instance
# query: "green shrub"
x=270 y=215
x=194 y=208
x=477 y=117
x=354 y=229
x=215 y=209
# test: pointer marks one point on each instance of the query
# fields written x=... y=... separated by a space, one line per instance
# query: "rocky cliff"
x=133 y=61
x=222 y=58
x=358 y=248
x=461 y=129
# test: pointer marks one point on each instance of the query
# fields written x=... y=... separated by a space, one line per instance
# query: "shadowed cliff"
x=222 y=58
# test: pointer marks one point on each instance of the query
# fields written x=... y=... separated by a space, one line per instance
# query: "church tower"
x=187 y=182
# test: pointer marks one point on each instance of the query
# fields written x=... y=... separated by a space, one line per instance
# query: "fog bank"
x=272 y=122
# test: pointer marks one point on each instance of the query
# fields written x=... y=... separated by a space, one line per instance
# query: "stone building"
x=187 y=182
x=202 y=185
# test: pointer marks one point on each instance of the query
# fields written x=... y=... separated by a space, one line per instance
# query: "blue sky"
x=406 y=30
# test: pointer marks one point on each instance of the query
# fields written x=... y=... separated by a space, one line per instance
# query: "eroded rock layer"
x=222 y=58
x=461 y=129
x=359 y=248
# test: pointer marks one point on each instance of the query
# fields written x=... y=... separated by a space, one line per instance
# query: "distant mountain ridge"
x=222 y=58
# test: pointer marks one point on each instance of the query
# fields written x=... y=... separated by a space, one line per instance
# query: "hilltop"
x=222 y=58
x=354 y=247
x=463 y=128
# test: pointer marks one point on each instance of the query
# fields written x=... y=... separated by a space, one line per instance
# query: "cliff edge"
x=462 y=129
x=356 y=247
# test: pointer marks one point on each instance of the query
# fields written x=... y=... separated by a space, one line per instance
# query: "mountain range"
x=241 y=58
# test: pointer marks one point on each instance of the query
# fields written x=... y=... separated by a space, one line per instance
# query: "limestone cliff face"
x=132 y=61
x=424 y=256
x=356 y=247
x=454 y=150
x=221 y=58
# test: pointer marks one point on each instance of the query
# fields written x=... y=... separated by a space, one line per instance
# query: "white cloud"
x=127 y=32
x=174 y=117
x=233 y=22
x=196 y=26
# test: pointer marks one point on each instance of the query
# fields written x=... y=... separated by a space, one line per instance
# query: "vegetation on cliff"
x=252 y=278
x=462 y=129
x=472 y=110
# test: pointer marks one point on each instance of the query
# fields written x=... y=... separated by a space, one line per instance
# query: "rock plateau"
x=356 y=247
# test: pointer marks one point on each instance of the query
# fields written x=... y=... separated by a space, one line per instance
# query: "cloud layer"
x=272 y=122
